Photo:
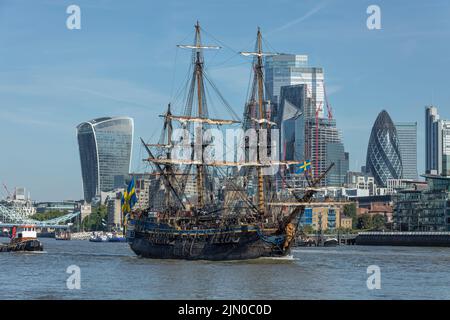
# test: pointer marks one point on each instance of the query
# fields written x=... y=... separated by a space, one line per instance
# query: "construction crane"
x=316 y=142
x=329 y=109
x=330 y=117
x=9 y=195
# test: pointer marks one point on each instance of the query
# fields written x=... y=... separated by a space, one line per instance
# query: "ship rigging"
x=198 y=223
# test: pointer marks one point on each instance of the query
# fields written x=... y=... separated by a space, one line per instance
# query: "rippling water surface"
x=112 y=271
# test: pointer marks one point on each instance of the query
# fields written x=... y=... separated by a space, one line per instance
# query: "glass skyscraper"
x=105 y=146
x=433 y=155
x=407 y=137
x=337 y=155
x=437 y=143
x=296 y=92
x=383 y=152
x=290 y=69
x=445 y=148
x=292 y=102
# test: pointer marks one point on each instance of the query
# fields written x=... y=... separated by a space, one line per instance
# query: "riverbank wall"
x=413 y=239
x=80 y=235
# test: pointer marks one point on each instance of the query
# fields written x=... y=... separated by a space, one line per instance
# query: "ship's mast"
x=261 y=121
x=202 y=114
x=201 y=119
x=169 y=171
x=259 y=77
x=199 y=134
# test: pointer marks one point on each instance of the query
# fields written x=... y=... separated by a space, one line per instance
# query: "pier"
x=342 y=239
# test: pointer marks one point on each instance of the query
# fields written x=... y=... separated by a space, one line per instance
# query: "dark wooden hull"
x=26 y=245
x=216 y=246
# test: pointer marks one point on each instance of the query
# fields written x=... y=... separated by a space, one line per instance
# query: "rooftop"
x=434 y=176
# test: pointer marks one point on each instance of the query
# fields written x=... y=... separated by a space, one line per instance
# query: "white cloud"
x=307 y=15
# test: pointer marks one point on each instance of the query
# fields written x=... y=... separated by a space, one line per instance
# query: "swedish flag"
x=124 y=202
x=304 y=166
x=129 y=197
x=131 y=191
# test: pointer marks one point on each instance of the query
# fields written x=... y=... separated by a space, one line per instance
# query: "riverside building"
x=423 y=206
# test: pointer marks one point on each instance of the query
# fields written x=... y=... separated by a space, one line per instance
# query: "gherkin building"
x=383 y=152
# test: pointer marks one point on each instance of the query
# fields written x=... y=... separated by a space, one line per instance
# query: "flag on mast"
x=129 y=197
x=306 y=165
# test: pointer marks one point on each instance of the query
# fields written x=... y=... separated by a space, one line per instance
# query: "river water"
x=112 y=271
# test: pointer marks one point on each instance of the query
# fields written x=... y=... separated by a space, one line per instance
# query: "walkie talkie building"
x=105 y=146
x=383 y=152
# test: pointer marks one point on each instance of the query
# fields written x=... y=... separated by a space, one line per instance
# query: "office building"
x=20 y=194
x=290 y=69
x=433 y=155
x=291 y=106
x=445 y=148
x=362 y=182
x=437 y=143
x=85 y=210
x=105 y=146
x=325 y=218
x=297 y=96
x=143 y=188
x=319 y=134
x=407 y=138
x=423 y=206
x=114 y=211
x=336 y=154
x=383 y=152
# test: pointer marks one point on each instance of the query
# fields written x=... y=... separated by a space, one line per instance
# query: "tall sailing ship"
x=205 y=227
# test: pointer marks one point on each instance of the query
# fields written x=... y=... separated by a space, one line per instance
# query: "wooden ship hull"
x=219 y=244
x=25 y=245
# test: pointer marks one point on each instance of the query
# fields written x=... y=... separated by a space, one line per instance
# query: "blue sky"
x=124 y=61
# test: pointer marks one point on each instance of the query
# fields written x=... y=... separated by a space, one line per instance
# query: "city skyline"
x=126 y=68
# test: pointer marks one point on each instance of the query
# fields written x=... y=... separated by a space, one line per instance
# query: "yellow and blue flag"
x=306 y=165
x=129 y=197
x=131 y=191
x=124 y=202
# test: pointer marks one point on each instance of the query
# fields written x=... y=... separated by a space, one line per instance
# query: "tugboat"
x=23 y=238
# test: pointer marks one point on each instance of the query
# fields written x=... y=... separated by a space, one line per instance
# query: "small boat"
x=304 y=242
x=62 y=235
x=107 y=237
x=331 y=242
x=98 y=237
x=115 y=237
x=23 y=238
x=4 y=233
